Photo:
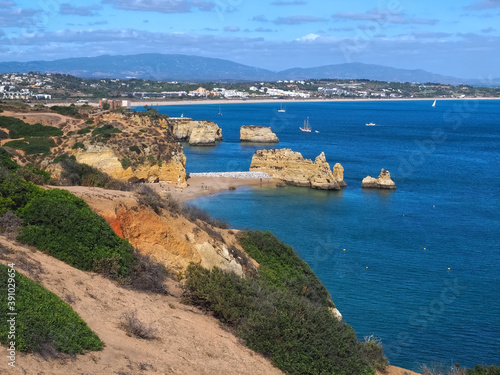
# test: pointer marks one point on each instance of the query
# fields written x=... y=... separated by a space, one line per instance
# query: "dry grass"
x=134 y=327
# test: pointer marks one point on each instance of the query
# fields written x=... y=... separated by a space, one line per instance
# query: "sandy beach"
x=141 y=103
x=203 y=185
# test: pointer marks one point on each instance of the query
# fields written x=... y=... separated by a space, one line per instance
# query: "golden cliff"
x=128 y=148
x=167 y=237
x=257 y=134
x=293 y=169
x=197 y=133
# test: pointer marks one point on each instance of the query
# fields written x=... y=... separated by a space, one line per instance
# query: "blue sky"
x=459 y=38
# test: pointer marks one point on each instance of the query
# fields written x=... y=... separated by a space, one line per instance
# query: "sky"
x=459 y=38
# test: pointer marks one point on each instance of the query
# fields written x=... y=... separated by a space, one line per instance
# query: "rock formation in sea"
x=382 y=182
x=257 y=134
x=293 y=169
x=197 y=133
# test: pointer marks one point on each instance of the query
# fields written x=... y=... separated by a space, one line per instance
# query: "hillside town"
x=36 y=86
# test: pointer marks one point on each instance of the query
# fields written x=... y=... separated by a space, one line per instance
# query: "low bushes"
x=44 y=319
x=63 y=225
x=281 y=267
x=106 y=130
x=31 y=146
x=19 y=129
x=70 y=110
x=282 y=312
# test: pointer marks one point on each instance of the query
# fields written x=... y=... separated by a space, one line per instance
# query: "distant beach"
x=151 y=103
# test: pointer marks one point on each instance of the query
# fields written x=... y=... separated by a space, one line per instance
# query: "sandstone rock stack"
x=257 y=134
x=293 y=169
x=382 y=182
x=197 y=133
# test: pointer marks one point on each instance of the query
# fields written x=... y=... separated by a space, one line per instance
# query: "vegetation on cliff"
x=62 y=224
x=45 y=322
x=283 y=312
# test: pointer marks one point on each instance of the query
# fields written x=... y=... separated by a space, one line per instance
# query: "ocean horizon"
x=419 y=267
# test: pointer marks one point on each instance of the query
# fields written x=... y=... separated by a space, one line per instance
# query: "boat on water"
x=220 y=113
x=281 y=108
x=370 y=124
x=306 y=127
x=434 y=104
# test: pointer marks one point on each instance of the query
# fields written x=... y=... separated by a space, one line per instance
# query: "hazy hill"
x=195 y=68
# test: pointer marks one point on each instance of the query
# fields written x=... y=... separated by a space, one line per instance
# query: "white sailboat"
x=434 y=104
x=306 y=127
x=281 y=108
x=370 y=124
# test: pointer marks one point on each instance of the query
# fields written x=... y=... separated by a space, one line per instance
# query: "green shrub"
x=281 y=267
x=18 y=144
x=33 y=174
x=299 y=336
x=15 y=193
x=78 y=174
x=89 y=121
x=6 y=161
x=35 y=145
x=482 y=370
x=135 y=149
x=86 y=130
x=43 y=319
x=126 y=163
x=106 y=130
x=65 y=226
x=3 y=135
x=78 y=145
x=70 y=110
x=19 y=129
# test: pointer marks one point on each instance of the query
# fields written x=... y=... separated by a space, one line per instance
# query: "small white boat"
x=370 y=124
x=281 y=108
x=220 y=113
x=306 y=127
x=434 y=104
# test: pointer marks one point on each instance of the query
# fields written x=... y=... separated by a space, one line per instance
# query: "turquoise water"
x=392 y=280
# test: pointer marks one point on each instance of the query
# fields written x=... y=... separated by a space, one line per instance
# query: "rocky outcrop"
x=338 y=174
x=257 y=134
x=382 y=182
x=199 y=133
x=293 y=169
x=129 y=147
x=111 y=161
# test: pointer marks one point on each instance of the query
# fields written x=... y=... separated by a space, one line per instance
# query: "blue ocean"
x=418 y=267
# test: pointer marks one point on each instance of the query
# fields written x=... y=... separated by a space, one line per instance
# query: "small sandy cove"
x=206 y=185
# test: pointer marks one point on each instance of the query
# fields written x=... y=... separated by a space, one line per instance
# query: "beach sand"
x=199 y=186
x=153 y=103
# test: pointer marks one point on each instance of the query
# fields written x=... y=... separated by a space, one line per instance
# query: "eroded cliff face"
x=292 y=168
x=168 y=238
x=257 y=134
x=383 y=181
x=197 y=133
x=128 y=148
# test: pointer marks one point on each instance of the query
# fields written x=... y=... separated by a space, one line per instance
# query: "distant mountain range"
x=195 y=68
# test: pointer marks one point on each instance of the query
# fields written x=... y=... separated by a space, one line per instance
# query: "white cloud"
x=308 y=38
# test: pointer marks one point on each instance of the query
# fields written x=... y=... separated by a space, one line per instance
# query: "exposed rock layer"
x=257 y=134
x=291 y=167
x=382 y=182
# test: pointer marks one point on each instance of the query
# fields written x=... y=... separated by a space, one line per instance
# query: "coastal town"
x=35 y=86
